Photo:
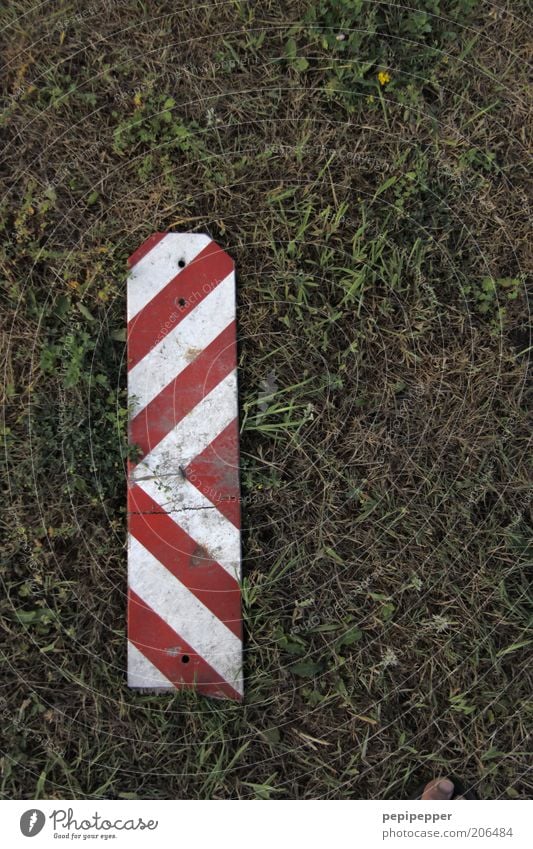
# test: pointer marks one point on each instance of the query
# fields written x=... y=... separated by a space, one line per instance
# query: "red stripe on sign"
x=189 y=562
x=190 y=386
x=179 y=298
x=171 y=654
x=145 y=248
x=215 y=472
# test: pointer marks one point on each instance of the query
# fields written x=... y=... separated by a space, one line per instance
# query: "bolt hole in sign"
x=184 y=555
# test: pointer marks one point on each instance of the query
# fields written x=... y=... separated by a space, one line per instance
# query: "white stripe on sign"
x=142 y=673
x=182 y=344
x=160 y=265
x=193 y=433
x=196 y=515
x=174 y=603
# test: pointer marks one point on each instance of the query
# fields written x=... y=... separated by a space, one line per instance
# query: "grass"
x=380 y=236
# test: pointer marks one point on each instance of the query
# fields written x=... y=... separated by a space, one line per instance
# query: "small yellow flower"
x=137 y=100
x=73 y=284
x=384 y=77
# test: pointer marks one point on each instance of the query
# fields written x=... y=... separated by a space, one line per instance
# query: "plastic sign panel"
x=184 y=556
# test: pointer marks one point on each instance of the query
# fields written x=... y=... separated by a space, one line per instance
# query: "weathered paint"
x=184 y=560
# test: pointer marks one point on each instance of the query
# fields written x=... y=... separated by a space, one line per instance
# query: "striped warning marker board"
x=184 y=561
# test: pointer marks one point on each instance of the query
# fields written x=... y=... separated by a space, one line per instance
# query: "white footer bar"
x=306 y=824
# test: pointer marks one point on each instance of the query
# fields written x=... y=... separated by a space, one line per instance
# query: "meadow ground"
x=366 y=165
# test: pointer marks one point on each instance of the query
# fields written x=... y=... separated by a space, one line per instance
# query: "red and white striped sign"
x=184 y=560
